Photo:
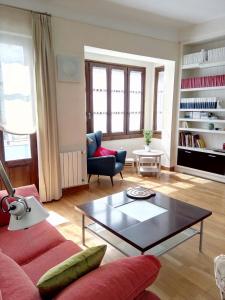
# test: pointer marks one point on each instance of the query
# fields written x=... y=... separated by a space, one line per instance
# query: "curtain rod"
x=25 y=9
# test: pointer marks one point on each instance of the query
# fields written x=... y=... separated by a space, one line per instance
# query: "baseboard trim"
x=171 y=169
x=74 y=189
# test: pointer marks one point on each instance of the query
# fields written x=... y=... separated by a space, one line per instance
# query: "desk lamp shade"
x=24 y=211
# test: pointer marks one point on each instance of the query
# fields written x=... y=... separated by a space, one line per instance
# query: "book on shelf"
x=188 y=139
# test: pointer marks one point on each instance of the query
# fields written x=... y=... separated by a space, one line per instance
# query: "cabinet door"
x=186 y=158
x=215 y=164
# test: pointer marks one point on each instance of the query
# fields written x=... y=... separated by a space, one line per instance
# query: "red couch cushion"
x=24 y=245
x=28 y=190
x=146 y=295
x=40 y=265
x=122 y=279
x=14 y=283
x=104 y=152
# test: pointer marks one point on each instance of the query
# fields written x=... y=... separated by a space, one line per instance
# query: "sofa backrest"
x=94 y=141
x=14 y=283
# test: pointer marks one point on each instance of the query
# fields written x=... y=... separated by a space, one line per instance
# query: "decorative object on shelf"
x=25 y=211
x=205 y=81
x=196 y=115
x=184 y=124
x=187 y=139
x=189 y=103
x=140 y=193
x=148 y=138
x=195 y=58
x=68 y=68
x=211 y=126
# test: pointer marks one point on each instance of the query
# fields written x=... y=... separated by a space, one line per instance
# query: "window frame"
x=126 y=134
x=156 y=133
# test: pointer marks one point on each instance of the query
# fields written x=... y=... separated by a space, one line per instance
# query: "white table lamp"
x=24 y=211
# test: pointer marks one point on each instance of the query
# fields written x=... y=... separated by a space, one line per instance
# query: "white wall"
x=70 y=37
x=203 y=31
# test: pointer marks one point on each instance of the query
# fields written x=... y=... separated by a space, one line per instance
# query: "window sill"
x=157 y=135
x=122 y=136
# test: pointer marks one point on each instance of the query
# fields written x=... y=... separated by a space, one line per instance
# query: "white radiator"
x=71 y=168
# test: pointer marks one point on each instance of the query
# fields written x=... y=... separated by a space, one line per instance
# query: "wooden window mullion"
x=109 y=117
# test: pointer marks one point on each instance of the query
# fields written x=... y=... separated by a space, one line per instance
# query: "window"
x=16 y=147
x=17 y=105
x=115 y=99
x=158 y=102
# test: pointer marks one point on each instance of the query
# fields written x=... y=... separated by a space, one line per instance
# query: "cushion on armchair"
x=101 y=151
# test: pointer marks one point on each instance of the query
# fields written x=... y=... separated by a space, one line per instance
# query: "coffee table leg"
x=83 y=229
x=201 y=236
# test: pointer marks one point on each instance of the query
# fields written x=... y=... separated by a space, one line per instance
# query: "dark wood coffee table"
x=157 y=224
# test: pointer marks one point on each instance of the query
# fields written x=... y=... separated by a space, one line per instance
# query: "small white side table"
x=148 y=161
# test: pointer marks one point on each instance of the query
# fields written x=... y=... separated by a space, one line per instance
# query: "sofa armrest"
x=123 y=279
x=103 y=165
x=121 y=156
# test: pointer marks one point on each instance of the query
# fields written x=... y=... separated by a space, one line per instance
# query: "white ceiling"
x=191 y=11
x=156 y=18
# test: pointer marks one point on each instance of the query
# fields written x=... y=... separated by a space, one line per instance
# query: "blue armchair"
x=104 y=165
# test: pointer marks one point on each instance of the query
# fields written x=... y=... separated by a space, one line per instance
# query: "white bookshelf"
x=204 y=109
x=198 y=125
x=203 y=65
x=210 y=88
x=203 y=120
x=205 y=150
x=202 y=130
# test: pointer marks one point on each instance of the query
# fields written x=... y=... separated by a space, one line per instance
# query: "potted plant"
x=148 y=138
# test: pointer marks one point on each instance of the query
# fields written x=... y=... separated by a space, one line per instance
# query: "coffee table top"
x=172 y=217
x=142 y=152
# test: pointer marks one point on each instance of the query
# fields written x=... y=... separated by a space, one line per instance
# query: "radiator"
x=71 y=168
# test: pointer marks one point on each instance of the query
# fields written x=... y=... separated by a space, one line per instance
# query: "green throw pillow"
x=70 y=270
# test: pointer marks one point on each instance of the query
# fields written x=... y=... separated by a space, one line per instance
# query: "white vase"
x=147 y=148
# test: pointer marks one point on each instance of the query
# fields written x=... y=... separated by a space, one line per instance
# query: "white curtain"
x=48 y=147
x=17 y=97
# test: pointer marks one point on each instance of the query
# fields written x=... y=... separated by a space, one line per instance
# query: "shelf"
x=203 y=120
x=203 y=109
x=203 y=65
x=202 y=130
x=203 y=89
x=201 y=150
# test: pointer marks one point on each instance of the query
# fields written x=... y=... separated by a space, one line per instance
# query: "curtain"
x=48 y=147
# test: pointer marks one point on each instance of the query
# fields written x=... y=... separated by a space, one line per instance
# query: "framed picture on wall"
x=68 y=68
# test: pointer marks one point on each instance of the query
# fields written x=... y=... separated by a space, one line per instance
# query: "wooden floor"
x=186 y=274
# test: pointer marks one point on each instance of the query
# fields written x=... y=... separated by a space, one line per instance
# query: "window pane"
x=99 y=84
x=160 y=98
x=117 y=100
x=17 y=111
x=16 y=146
x=135 y=94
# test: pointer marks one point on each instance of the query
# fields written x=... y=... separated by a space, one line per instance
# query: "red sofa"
x=27 y=254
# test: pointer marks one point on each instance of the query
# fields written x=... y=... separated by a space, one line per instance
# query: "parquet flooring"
x=186 y=274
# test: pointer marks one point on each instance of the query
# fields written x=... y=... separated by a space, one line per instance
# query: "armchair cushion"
x=122 y=279
x=101 y=151
x=96 y=142
x=104 y=165
x=121 y=156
